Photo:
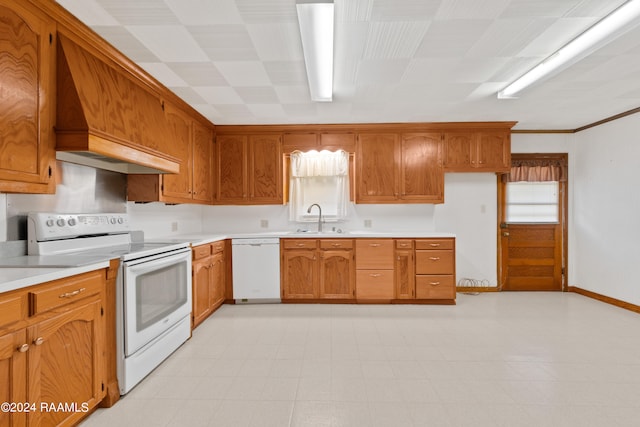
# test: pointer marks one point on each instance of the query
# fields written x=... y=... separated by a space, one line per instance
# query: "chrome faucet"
x=319 y=216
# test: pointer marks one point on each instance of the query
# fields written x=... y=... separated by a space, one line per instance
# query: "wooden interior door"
x=532 y=255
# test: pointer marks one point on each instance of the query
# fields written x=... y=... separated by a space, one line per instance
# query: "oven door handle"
x=141 y=266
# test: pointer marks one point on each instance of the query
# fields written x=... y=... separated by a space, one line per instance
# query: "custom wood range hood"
x=106 y=120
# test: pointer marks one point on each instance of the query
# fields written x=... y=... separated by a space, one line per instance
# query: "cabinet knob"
x=23 y=348
x=38 y=341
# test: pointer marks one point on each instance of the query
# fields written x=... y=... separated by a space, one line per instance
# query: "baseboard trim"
x=605 y=299
x=473 y=289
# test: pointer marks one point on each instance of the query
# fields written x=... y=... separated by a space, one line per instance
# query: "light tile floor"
x=495 y=359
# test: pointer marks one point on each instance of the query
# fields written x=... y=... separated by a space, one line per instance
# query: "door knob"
x=505 y=234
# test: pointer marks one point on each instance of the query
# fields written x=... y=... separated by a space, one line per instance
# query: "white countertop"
x=208 y=237
x=12 y=278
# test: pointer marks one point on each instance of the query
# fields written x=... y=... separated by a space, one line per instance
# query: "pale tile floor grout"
x=495 y=359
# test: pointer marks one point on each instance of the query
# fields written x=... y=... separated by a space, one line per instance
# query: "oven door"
x=157 y=294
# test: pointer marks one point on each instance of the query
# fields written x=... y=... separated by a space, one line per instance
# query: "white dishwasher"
x=256 y=269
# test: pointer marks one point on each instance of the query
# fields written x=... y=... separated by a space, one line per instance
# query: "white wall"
x=160 y=220
x=606 y=209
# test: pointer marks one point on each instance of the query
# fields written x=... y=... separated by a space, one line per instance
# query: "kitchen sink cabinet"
x=193 y=146
x=477 y=151
x=208 y=269
x=55 y=352
x=249 y=169
x=399 y=168
x=27 y=145
x=317 y=269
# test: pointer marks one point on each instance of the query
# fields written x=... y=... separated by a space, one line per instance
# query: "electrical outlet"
x=367 y=223
x=264 y=223
x=174 y=226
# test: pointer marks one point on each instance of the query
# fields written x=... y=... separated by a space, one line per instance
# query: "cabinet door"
x=67 y=363
x=299 y=274
x=337 y=274
x=13 y=378
x=377 y=162
x=405 y=274
x=458 y=148
x=217 y=279
x=494 y=151
x=202 y=289
x=179 y=185
x=231 y=166
x=422 y=177
x=265 y=179
x=26 y=133
x=202 y=156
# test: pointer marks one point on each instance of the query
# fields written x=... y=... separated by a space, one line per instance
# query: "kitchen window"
x=320 y=177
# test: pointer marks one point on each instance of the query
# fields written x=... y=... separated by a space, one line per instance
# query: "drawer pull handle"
x=434 y=245
x=434 y=258
x=72 y=294
x=375 y=274
x=434 y=283
x=300 y=245
x=23 y=348
x=336 y=245
x=404 y=245
x=38 y=341
x=374 y=245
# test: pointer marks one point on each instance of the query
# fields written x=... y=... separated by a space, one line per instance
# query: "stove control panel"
x=55 y=226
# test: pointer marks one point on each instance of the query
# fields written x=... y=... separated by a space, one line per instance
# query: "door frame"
x=564 y=214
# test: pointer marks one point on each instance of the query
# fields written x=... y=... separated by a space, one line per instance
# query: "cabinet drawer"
x=434 y=244
x=299 y=243
x=404 y=244
x=435 y=262
x=201 y=251
x=13 y=308
x=65 y=291
x=374 y=254
x=336 y=244
x=217 y=247
x=374 y=284
x=435 y=287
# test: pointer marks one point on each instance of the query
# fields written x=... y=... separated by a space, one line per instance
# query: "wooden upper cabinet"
x=477 y=151
x=306 y=141
x=179 y=123
x=202 y=137
x=27 y=144
x=395 y=168
x=422 y=177
x=378 y=159
x=249 y=169
x=265 y=169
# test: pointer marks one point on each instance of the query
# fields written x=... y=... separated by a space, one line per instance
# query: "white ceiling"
x=241 y=62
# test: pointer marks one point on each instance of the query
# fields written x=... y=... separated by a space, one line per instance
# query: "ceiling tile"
x=521 y=31
x=198 y=73
x=224 y=42
x=353 y=11
x=243 y=73
x=286 y=73
x=276 y=42
x=170 y=43
x=389 y=40
x=404 y=10
x=188 y=94
x=472 y=9
x=219 y=95
x=267 y=111
x=140 y=12
x=163 y=73
x=452 y=37
x=267 y=11
x=89 y=11
x=556 y=35
x=381 y=71
x=205 y=12
x=293 y=94
x=257 y=95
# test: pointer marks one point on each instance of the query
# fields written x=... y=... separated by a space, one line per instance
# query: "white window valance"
x=319 y=163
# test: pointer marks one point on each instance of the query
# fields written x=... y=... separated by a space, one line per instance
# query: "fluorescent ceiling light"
x=604 y=31
x=316 y=29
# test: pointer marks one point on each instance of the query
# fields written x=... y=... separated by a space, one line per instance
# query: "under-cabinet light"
x=604 y=31
x=315 y=18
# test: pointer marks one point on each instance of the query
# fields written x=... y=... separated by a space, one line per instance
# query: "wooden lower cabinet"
x=435 y=269
x=208 y=269
x=374 y=270
x=405 y=284
x=54 y=355
x=317 y=269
